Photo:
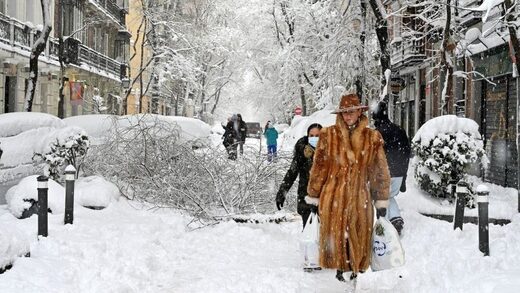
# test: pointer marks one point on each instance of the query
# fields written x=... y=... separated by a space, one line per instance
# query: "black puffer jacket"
x=397 y=145
x=300 y=166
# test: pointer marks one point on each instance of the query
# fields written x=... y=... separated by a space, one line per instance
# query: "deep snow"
x=127 y=249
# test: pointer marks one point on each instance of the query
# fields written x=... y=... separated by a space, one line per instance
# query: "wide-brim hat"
x=349 y=103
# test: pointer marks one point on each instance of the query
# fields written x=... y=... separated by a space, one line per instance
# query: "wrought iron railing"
x=113 y=9
x=98 y=60
x=19 y=35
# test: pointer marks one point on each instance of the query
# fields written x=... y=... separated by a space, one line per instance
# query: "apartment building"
x=94 y=54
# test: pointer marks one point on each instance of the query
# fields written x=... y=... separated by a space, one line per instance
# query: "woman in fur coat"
x=349 y=173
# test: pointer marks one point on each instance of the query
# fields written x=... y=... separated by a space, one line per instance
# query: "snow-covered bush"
x=22 y=198
x=445 y=147
x=148 y=162
x=68 y=146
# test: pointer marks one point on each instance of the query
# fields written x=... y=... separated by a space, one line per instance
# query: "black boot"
x=398 y=224
x=339 y=276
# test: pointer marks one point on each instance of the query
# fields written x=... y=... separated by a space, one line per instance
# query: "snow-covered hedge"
x=445 y=147
x=24 y=195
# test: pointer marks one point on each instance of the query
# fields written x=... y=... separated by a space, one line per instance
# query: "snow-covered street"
x=124 y=249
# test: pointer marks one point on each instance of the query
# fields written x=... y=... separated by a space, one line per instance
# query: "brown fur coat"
x=349 y=171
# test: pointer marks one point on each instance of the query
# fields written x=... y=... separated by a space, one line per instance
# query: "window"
x=2 y=6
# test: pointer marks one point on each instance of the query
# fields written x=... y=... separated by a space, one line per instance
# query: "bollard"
x=43 y=190
x=462 y=191
x=70 y=174
x=483 y=219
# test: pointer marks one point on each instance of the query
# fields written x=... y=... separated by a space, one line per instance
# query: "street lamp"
x=125 y=83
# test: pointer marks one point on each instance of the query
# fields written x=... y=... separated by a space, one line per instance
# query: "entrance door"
x=499 y=132
x=10 y=94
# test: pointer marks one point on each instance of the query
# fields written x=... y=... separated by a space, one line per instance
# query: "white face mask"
x=313 y=141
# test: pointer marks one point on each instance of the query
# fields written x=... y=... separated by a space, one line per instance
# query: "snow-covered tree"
x=37 y=48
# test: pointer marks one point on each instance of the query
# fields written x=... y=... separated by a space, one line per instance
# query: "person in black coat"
x=300 y=166
x=242 y=131
x=231 y=137
x=398 y=152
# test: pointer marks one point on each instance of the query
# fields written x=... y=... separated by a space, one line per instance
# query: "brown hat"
x=348 y=103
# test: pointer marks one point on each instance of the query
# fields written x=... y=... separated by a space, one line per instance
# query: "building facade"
x=94 y=54
x=484 y=90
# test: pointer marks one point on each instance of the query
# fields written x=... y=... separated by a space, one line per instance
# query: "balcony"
x=407 y=52
x=21 y=37
x=110 y=8
x=468 y=18
x=79 y=54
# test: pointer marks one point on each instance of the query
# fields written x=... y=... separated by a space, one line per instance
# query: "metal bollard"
x=70 y=174
x=462 y=191
x=483 y=219
x=43 y=190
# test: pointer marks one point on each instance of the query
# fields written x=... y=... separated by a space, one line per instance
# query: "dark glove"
x=381 y=212
x=403 y=184
x=313 y=208
x=280 y=198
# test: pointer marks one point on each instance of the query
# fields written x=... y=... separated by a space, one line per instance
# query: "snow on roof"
x=15 y=123
x=443 y=125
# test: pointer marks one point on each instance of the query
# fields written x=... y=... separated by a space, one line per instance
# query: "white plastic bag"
x=387 y=251
x=309 y=242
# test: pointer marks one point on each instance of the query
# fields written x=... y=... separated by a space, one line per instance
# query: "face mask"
x=313 y=140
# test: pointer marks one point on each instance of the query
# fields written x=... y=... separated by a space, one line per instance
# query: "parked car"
x=254 y=129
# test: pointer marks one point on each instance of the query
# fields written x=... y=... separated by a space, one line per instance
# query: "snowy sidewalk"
x=121 y=249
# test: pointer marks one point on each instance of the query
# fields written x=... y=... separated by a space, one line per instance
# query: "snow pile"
x=15 y=123
x=128 y=249
x=300 y=124
x=13 y=244
x=97 y=126
x=95 y=191
x=20 y=149
x=21 y=197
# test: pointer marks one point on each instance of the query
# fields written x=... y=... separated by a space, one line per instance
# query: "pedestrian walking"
x=398 y=152
x=242 y=133
x=271 y=135
x=231 y=137
x=300 y=167
x=348 y=174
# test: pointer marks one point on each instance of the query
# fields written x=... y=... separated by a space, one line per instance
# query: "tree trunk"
x=446 y=65
x=302 y=96
x=37 y=48
x=361 y=77
x=382 y=37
